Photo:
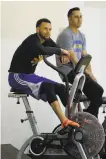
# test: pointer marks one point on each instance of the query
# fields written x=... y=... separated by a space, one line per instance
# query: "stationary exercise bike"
x=86 y=103
x=103 y=151
x=80 y=143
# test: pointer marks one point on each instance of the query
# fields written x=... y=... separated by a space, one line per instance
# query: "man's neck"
x=74 y=30
x=41 y=39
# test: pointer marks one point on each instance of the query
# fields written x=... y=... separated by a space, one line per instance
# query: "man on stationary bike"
x=74 y=41
x=24 y=63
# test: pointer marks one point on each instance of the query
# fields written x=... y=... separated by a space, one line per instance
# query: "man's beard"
x=43 y=36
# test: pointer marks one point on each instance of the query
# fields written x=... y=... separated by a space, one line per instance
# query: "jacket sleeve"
x=48 y=50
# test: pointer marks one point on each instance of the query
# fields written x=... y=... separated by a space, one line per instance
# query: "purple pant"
x=28 y=83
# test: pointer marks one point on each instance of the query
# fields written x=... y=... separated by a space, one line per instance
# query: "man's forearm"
x=89 y=68
x=73 y=57
x=75 y=61
x=88 y=72
x=47 y=50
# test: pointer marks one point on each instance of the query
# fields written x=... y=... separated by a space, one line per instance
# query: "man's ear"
x=37 y=29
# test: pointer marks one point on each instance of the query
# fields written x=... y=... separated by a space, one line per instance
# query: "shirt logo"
x=77 y=47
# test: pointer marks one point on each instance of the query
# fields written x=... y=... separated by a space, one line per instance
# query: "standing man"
x=74 y=41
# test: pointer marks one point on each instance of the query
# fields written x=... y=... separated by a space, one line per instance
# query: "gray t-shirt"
x=70 y=41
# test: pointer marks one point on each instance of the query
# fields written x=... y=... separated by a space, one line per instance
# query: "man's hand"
x=65 y=56
x=64 y=59
x=65 y=52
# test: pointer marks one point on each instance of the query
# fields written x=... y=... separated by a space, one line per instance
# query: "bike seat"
x=84 y=98
x=16 y=91
x=103 y=100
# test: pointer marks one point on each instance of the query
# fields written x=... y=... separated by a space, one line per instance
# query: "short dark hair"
x=71 y=10
x=38 y=23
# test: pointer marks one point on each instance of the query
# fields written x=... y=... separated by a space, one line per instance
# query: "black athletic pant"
x=92 y=90
x=53 y=89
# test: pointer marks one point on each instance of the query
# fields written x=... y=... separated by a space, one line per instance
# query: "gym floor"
x=10 y=152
